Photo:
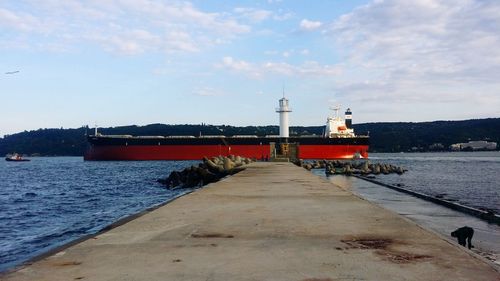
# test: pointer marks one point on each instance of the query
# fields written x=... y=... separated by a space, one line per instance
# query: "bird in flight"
x=12 y=72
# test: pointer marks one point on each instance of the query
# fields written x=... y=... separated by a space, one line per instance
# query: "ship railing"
x=309 y=136
x=212 y=136
x=341 y=136
x=346 y=136
x=244 y=136
x=179 y=137
x=114 y=136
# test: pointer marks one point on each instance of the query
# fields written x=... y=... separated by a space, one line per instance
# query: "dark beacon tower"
x=348 y=118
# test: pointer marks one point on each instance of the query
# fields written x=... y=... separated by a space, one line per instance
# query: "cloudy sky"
x=122 y=62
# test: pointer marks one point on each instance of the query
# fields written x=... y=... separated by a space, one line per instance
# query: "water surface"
x=50 y=201
x=470 y=178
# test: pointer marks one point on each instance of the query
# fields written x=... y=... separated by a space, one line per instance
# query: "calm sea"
x=50 y=201
x=469 y=178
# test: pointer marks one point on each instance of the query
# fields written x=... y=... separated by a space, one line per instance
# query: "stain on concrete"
x=382 y=247
x=197 y=245
x=66 y=263
x=402 y=257
x=211 y=235
x=368 y=243
x=318 y=279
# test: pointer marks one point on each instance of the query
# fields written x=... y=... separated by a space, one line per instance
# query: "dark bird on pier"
x=12 y=72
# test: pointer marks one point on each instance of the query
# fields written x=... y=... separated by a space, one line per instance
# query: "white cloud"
x=306 y=69
x=307 y=25
x=254 y=15
x=123 y=26
x=422 y=51
x=239 y=66
x=259 y=15
x=231 y=63
x=24 y=22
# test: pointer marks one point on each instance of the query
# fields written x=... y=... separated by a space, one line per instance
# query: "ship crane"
x=336 y=109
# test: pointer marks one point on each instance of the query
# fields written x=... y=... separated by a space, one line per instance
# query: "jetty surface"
x=273 y=221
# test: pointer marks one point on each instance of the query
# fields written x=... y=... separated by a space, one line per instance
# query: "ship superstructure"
x=336 y=127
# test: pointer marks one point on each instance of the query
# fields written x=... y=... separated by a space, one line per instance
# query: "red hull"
x=195 y=152
x=332 y=151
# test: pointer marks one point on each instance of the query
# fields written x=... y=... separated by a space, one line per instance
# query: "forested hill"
x=403 y=136
x=384 y=137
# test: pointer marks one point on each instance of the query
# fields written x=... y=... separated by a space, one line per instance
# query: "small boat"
x=15 y=158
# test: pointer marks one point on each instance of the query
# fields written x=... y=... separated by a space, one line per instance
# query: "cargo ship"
x=337 y=142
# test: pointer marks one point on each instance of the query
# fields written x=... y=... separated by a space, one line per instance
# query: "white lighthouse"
x=283 y=111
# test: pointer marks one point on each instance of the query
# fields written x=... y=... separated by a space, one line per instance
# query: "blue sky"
x=123 y=62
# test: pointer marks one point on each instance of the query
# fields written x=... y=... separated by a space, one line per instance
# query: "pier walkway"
x=273 y=221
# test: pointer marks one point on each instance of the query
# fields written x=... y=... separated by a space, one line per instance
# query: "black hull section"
x=117 y=141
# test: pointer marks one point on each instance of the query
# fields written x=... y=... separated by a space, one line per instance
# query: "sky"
x=69 y=63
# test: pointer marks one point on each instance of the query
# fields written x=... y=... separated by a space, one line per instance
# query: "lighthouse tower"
x=283 y=111
x=348 y=118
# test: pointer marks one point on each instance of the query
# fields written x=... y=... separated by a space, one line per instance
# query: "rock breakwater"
x=210 y=170
x=350 y=167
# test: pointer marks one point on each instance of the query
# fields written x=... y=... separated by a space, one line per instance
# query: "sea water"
x=469 y=178
x=51 y=201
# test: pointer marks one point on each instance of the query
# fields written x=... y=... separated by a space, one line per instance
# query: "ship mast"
x=336 y=109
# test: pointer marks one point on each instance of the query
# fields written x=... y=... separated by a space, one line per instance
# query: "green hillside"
x=384 y=137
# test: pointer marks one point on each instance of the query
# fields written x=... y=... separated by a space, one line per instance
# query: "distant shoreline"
x=385 y=137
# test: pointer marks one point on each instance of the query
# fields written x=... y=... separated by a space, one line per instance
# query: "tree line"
x=384 y=137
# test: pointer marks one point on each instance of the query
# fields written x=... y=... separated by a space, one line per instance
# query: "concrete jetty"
x=273 y=221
